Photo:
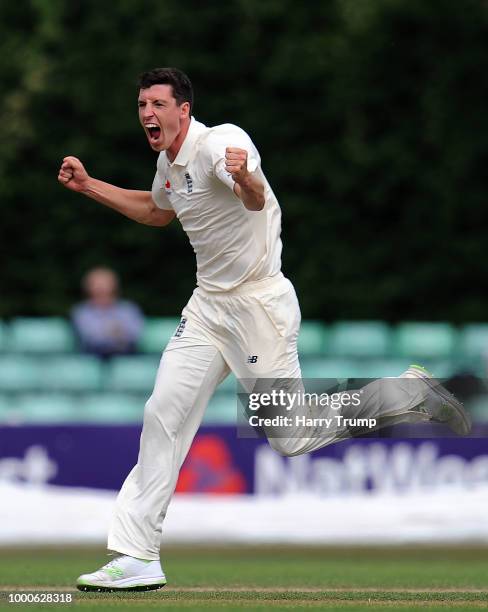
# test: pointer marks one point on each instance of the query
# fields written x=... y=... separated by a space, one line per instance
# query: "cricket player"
x=243 y=315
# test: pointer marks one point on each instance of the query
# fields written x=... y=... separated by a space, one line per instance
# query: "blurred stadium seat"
x=359 y=339
x=380 y=368
x=46 y=408
x=132 y=373
x=20 y=373
x=474 y=340
x=312 y=339
x=222 y=408
x=110 y=408
x=228 y=385
x=383 y=368
x=353 y=368
x=79 y=373
x=322 y=375
x=330 y=368
x=424 y=340
x=8 y=409
x=40 y=335
x=441 y=368
x=478 y=408
x=156 y=333
x=5 y=403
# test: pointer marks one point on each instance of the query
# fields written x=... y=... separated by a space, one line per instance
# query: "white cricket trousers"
x=251 y=331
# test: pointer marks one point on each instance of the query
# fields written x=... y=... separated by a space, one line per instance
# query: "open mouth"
x=154 y=131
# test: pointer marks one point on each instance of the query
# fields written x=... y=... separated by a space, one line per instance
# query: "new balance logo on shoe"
x=115 y=572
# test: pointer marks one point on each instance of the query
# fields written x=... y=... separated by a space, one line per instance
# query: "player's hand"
x=236 y=164
x=72 y=174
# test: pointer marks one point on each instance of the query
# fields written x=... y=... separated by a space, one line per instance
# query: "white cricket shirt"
x=232 y=244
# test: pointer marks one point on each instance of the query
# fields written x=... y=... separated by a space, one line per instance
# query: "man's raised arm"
x=137 y=205
x=247 y=187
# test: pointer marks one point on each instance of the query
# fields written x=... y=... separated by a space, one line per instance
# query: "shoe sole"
x=464 y=419
x=111 y=589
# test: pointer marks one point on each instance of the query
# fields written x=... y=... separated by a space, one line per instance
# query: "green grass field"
x=257 y=578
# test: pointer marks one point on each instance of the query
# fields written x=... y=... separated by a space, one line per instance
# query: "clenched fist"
x=236 y=163
x=72 y=174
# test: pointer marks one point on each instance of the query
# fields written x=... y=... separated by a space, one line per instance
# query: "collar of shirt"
x=194 y=131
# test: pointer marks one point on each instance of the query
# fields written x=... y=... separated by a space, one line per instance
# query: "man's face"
x=160 y=115
x=101 y=287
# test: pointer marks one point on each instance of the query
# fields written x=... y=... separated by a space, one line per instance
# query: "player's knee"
x=158 y=416
x=151 y=411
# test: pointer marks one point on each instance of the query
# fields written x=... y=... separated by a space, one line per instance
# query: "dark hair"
x=181 y=84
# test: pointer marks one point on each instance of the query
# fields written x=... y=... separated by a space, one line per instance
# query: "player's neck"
x=173 y=150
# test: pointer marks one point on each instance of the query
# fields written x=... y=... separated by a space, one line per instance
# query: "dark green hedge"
x=370 y=116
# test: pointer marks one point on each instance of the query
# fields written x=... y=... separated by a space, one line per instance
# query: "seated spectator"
x=106 y=325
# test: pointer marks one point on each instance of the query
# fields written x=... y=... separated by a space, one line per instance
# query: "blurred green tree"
x=369 y=117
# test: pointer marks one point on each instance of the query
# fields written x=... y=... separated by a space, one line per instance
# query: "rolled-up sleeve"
x=229 y=135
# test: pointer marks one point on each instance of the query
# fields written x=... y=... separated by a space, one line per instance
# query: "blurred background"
x=370 y=117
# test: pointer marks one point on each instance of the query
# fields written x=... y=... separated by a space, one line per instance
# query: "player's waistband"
x=244 y=288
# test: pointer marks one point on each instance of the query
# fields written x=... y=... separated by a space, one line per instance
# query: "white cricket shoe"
x=124 y=573
x=439 y=405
